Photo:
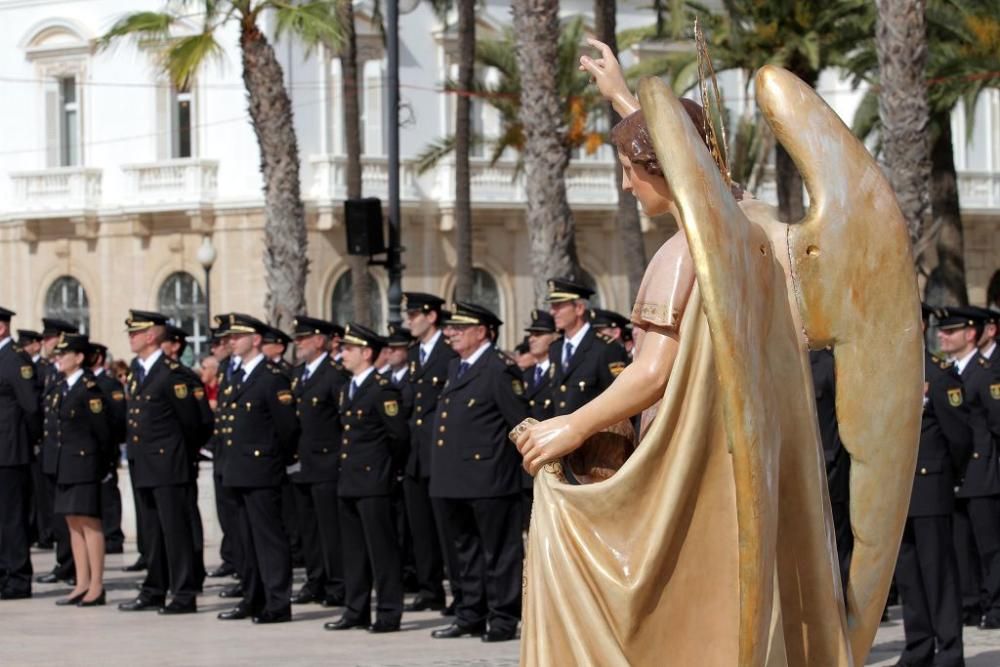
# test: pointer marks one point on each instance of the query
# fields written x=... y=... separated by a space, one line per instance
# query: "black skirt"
x=80 y=499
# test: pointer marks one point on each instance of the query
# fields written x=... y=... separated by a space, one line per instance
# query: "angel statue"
x=713 y=543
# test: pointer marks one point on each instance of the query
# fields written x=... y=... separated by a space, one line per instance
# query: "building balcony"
x=56 y=192
x=979 y=191
x=185 y=183
x=329 y=179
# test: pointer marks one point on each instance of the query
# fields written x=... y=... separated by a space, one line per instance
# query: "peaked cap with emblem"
x=69 y=342
x=6 y=314
x=355 y=334
x=399 y=336
x=562 y=290
x=241 y=323
x=27 y=336
x=465 y=314
x=960 y=317
x=276 y=335
x=98 y=349
x=541 y=322
x=422 y=301
x=312 y=326
x=140 y=320
x=927 y=311
x=985 y=314
x=601 y=318
x=52 y=327
x=175 y=334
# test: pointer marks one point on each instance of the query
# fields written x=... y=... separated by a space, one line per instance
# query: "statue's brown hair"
x=631 y=136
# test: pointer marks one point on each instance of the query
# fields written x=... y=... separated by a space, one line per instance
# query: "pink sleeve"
x=665 y=286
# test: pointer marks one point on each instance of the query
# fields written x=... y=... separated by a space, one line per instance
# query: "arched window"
x=485 y=291
x=342 y=305
x=183 y=301
x=588 y=280
x=67 y=300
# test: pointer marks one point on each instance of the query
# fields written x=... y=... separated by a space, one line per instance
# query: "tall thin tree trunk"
x=463 y=135
x=788 y=182
x=901 y=43
x=627 y=215
x=362 y=287
x=946 y=283
x=550 y=222
x=285 y=241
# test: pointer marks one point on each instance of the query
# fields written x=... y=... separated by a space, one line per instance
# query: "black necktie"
x=462 y=367
x=352 y=390
x=64 y=388
x=140 y=373
x=306 y=374
x=539 y=373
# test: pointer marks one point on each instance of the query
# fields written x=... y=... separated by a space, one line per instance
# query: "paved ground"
x=36 y=632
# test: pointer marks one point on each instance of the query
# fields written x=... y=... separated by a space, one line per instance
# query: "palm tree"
x=314 y=22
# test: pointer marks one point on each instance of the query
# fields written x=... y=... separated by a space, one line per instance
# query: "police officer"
x=927 y=572
x=260 y=435
x=20 y=412
x=397 y=349
x=538 y=385
x=987 y=343
x=30 y=343
x=162 y=429
x=114 y=400
x=428 y=360
x=476 y=475
x=316 y=386
x=609 y=324
x=373 y=428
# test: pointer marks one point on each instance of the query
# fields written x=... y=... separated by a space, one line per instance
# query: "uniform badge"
x=27 y=372
x=181 y=391
x=517 y=386
x=199 y=393
x=95 y=405
x=616 y=368
x=552 y=370
x=285 y=397
x=955 y=397
x=117 y=395
x=995 y=391
x=391 y=408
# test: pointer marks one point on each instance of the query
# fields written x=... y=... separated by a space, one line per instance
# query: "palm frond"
x=866 y=118
x=433 y=153
x=186 y=55
x=138 y=26
x=315 y=22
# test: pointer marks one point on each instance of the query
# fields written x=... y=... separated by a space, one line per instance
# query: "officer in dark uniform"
x=538 y=386
x=476 y=475
x=978 y=507
x=609 y=324
x=838 y=461
x=163 y=428
x=114 y=399
x=20 y=414
x=429 y=360
x=988 y=341
x=397 y=353
x=30 y=343
x=52 y=331
x=261 y=433
x=373 y=428
x=927 y=572
x=316 y=386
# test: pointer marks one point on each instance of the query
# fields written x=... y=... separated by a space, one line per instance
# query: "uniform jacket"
x=259 y=430
x=114 y=402
x=20 y=406
x=318 y=409
x=838 y=461
x=593 y=367
x=206 y=419
x=424 y=386
x=216 y=443
x=945 y=440
x=539 y=397
x=85 y=450
x=163 y=422
x=472 y=457
x=981 y=472
x=374 y=427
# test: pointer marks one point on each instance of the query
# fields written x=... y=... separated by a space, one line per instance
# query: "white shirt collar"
x=543 y=364
x=575 y=340
x=314 y=364
x=98 y=371
x=252 y=364
x=400 y=374
x=988 y=352
x=960 y=364
x=429 y=345
x=360 y=378
x=71 y=380
x=474 y=357
x=4 y=342
x=147 y=363
x=34 y=359
x=385 y=370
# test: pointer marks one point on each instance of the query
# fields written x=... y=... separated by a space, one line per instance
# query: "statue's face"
x=651 y=190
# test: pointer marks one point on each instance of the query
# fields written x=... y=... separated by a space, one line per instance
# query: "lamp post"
x=206 y=257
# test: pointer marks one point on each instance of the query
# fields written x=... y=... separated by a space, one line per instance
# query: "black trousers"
x=319 y=526
x=984 y=515
x=927 y=579
x=226 y=508
x=41 y=505
x=197 y=533
x=111 y=513
x=15 y=547
x=290 y=521
x=845 y=538
x=267 y=559
x=141 y=538
x=527 y=500
x=452 y=565
x=65 y=567
x=170 y=560
x=426 y=538
x=486 y=533
x=371 y=555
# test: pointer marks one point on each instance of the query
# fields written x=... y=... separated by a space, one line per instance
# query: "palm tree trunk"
x=627 y=215
x=463 y=135
x=285 y=240
x=361 y=292
x=550 y=221
x=901 y=43
x=788 y=182
x=946 y=283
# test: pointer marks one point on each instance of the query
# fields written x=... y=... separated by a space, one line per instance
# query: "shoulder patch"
x=383 y=382
x=391 y=408
x=173 y=365
x=96 y=405
x=118 y=395
x=285 y=397
x=517 y=386
x=181 y=390
x=995 y=392
x=27 y=372
x=89 y=384
x=616 y=367
x=955 y=397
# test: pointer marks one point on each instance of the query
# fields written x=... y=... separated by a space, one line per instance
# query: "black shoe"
x=499 y=635
x=421 y=603
x=971 y=619
x=237 y=613
x=175 y=608
x=70 y=601
x=232 y=592
x=345 y=623
x=15 y=595
x=455 y=630
x=138 y=566
x=449 y=610
x=99 y=601
x=305 y=596
x=141 y=604
x=990 y=623
x=331 y=602
x=223 y=570
x=379 y=627
x=47 y=578
x=266 y=617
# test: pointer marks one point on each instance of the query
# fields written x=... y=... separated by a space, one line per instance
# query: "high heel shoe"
x=99 y=601
x=70 y=601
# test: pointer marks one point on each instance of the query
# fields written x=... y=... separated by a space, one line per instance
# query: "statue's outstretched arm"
x=639 y=386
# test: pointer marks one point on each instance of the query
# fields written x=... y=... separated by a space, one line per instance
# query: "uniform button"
x=347 y=427
x=324 y=450
x=299 y=400
x=46 y=433
x=531 y=402
x=135 y=438
x=444 y=415
x=348 y=413
x=368 y=468
x=229 y=443
x=923 y=471
x=975 y=455
x=562 y=388
x=562 y=404
x=298 y=413
x=345 y=441
x=440 y=443
x=256 y=452
x=476 y=457
x=447 y=401
x=441 y=428
x=343 y=456
x=419 y=408
x=420 y=422
x=161 y=451
x=82 y=453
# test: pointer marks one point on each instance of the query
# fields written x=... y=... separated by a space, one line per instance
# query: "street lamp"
x=206 y=257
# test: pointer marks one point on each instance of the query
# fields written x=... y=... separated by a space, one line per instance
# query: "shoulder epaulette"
x=173 y=365
x=274 y=369
x=382 y=381
x=944 y=364
x=89 y=384
x=505 y=358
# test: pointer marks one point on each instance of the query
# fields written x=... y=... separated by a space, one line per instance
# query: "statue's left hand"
x=548 y=441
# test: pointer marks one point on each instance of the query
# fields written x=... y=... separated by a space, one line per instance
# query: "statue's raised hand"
x=607 y=74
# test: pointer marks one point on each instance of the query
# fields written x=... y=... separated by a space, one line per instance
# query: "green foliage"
x=314 y=22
